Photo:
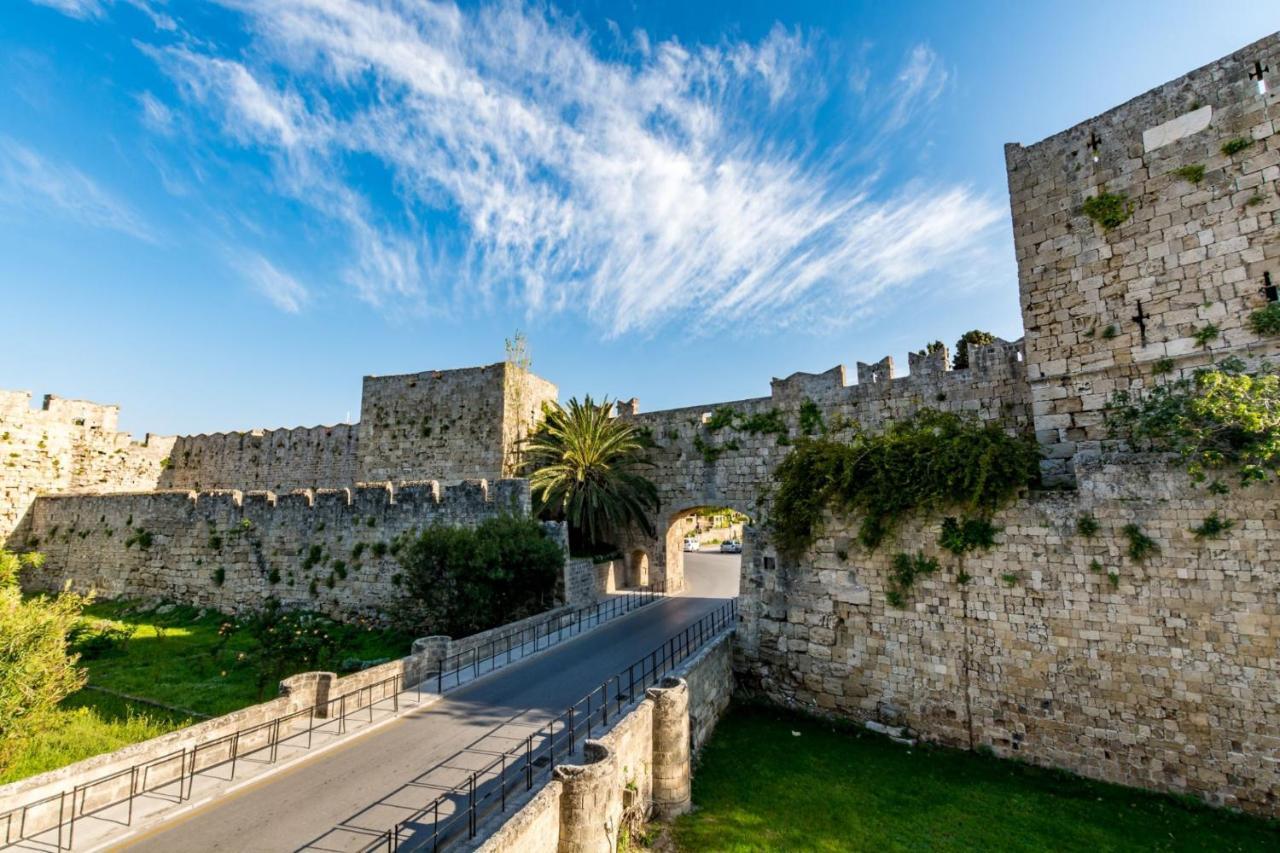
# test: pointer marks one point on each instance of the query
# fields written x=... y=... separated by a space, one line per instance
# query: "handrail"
x=535 y=756
x=230 y=748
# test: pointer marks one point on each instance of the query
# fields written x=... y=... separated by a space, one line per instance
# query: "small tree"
x=36 y=671
x=583 y=466
x=458 y=581
x=286 y=642
x=975 y=337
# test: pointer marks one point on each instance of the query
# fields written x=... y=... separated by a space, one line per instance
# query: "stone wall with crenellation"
x=65 y=446
x=1115 y=309
x=700 y=460
x=447 y=424
x=278 y=460
x=328 y=550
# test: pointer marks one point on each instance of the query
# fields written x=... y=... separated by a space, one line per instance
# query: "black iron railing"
x=521 y=642
x=456 y=815
x=173 y=775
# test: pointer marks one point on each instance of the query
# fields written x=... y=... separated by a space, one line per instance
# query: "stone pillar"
x=308 y=689
x=590 y=802
x=428 y=653
x=672 y=773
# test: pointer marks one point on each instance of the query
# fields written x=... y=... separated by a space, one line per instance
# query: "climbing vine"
x=1216 y=418
x=930 y=461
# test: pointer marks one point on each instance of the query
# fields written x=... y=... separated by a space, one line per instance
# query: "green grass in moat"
x=838 y=788
x=170 y=659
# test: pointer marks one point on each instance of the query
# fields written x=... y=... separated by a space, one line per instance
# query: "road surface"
x=339 y=800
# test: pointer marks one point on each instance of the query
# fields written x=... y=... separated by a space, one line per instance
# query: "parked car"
x=691 y=544
x=731 y=546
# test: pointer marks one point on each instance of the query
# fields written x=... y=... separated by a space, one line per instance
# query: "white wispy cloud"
x=283 y=290
x=89 y=9
x=29 y=181
x=921 y=80
x=640 y=190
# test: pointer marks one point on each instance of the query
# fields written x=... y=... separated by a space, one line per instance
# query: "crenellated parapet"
x=324 y=549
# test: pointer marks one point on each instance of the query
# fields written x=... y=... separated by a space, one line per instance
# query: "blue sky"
x=222 y=215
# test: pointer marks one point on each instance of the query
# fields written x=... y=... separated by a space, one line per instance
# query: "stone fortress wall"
x=697 y=464
x=1165 y=676
x=1103 y=308
x=447 y=424
x=326 y=550
x=278 y=460
x=68 y=445
x=440 y=443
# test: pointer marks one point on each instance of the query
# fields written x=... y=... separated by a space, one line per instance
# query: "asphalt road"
x=340 y=799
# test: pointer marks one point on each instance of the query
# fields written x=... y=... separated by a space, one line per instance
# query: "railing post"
x=570 y=734
x=235 y=752
x=604 y=706
x=471 y=807
x=528 y=762
x=133 y=785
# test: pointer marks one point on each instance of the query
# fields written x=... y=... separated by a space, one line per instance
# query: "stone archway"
x=678 y=527
x=638 y=568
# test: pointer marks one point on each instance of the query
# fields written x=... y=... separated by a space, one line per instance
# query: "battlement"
x=1168 y=283
x=276 y=460
x=363 y=499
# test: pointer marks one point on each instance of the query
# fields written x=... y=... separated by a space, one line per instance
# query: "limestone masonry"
x=1061 y=649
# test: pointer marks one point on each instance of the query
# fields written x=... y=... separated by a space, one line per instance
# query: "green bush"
x=903 y=573
x=458 y=581
x=1193 y=173
x=1217 y=417
x=1233 y=147
x=36 y=670
x=1108 y=209
x=933 y=460
x=1266 y=321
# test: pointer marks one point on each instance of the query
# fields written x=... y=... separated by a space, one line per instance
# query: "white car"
x=691 y=544
x=730 y=546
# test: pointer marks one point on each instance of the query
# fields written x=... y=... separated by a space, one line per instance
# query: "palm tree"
x=581 y=463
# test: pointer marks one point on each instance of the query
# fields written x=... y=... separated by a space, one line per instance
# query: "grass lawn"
x=170 y=659
x=87 y=724
x=836 y=787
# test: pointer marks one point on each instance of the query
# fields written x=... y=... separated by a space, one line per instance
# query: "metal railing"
x=533 y=638
x=178 y=769
x=488 y=790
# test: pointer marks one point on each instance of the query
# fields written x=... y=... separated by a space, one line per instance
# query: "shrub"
x=36 y=671
x=458 y=581
x=1191 y=173
x=1087 y=526
x=1203 y=336
x=1233 y=147
x=903 y=573
x=1109 y=210
x=1213 y=526
x=1215 y=418
x=933 y=460
x=961 y=537
x=1266 y=321
x=1141 y=546
x=976 y=337
x=287 y=641
x=811 y=418
x=219 y=576
x=100 y=638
